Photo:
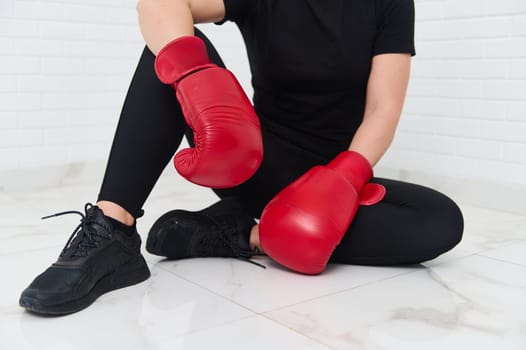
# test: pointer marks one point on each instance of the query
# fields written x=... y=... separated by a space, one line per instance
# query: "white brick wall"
x=65 y=66
x=465 y=114
x=64 y=69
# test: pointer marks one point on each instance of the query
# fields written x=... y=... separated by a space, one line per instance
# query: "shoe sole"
x=127 y=275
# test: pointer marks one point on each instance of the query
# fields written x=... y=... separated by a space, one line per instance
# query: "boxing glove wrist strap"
x=180 y=57
x=355 y=167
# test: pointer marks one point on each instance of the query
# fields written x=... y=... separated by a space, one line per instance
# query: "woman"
x=329 y=80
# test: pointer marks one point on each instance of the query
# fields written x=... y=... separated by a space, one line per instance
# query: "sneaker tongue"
x=92 y=212
x=91 y=228
x=97 y=220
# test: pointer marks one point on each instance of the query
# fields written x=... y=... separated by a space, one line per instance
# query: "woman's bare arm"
x=386 y=91
x=162 y=21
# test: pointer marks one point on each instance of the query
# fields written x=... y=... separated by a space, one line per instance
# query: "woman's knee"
x=434 y=221
x=446 y=223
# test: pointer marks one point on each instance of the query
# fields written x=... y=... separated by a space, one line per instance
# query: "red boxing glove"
x=303 y=224
x=228 y=145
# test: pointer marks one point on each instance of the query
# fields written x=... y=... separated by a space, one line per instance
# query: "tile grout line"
x=339 y=291
x=500 y=260
x=208 y=289
x=509 y=212
x=246 y=318
x=296 y=331
x=503 y=245
x=264 y=314
x=293 y=304
x=370 y=283
x=253 y=313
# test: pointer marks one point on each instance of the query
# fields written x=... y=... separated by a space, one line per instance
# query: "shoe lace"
x=237 y=252
x=89 y=237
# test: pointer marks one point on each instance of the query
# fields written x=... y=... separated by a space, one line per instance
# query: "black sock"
x=117 y=225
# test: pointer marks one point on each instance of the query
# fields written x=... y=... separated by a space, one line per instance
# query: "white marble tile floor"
x=473 y=297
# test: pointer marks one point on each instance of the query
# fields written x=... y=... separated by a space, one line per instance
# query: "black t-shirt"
x=310 y=61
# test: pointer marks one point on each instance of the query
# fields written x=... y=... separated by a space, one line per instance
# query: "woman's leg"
x=104 y=253
x=412 y=224
x=149 y=132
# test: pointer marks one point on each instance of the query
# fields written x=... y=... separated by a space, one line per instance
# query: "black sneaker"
x=221 y=230
x=95 y=260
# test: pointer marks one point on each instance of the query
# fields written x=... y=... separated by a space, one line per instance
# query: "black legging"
x=412 y=223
